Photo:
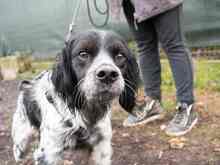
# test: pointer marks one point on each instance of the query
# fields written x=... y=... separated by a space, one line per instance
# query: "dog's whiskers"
x=78 y=94
x=80 y=82
x=126 y=80
x=127 y=84
x=80 y=99
x=131 y=88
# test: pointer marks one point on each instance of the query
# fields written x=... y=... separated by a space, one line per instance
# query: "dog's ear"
x=132 y=79
x=25 y=84
x=63 y=76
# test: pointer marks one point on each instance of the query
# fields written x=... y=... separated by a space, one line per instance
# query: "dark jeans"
x=165 y=29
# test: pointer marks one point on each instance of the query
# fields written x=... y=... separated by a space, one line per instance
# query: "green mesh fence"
x=40 y=26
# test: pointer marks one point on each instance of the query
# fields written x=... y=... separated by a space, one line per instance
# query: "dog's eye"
x=120 y=58
x=83 y=55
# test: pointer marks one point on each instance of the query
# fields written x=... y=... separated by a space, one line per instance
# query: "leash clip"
x=70 y=31
x=72 y=24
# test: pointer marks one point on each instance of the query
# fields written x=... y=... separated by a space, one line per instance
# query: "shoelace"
x=147 y=108
x=181 y=114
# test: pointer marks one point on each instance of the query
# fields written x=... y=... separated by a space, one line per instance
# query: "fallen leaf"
x=153 y=134
x=137 y=140
x=177 y=143
x=160 y=155
x=114 y=132
x=67 y=162
x=2 y=133
x=202 y=109
x=217 y=149
x=216 y=141
x=163 y=127
x=125 y=134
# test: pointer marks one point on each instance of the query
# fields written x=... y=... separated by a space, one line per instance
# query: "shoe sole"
x=147 y=120
x=183 y=132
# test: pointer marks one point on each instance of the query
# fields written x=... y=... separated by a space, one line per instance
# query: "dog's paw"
x=43 y=157
x=40 y=158
x=18 y=153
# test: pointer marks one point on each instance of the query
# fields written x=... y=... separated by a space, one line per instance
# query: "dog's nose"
x=107 y=75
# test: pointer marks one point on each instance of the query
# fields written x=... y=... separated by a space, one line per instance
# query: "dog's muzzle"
x=107 y=78
x=103 y=83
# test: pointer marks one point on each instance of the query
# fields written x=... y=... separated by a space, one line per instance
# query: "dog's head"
x=96 y=65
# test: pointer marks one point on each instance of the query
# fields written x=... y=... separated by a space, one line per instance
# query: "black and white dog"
x=70 y=105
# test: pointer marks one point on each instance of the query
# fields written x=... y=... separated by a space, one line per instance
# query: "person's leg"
x=149 y=60
x=170 y=34
x=168 y=27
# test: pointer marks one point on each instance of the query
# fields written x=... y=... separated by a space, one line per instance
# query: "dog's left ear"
x=132 y=79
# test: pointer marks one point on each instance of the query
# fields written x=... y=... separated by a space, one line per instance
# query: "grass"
x=207 y=77
x=37 y=67
x=207 y=74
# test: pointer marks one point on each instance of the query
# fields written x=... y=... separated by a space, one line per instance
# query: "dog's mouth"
x=106 y=97
x=107 y=94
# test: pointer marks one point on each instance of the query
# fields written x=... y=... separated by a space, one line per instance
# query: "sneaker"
x=147 y=112
x=183 y=121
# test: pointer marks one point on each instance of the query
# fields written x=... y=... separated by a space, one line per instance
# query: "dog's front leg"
x=50 y=150
x=102 y=152
x=22 y=131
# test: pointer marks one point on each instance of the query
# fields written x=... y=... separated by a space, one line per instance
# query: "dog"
x=70 y=105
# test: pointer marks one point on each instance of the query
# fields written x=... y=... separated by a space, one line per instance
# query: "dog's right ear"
x=63 y=76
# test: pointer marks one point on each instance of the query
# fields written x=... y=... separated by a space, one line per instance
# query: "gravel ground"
x=145 y=145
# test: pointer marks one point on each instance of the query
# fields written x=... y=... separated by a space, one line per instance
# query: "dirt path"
x=146 y=145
